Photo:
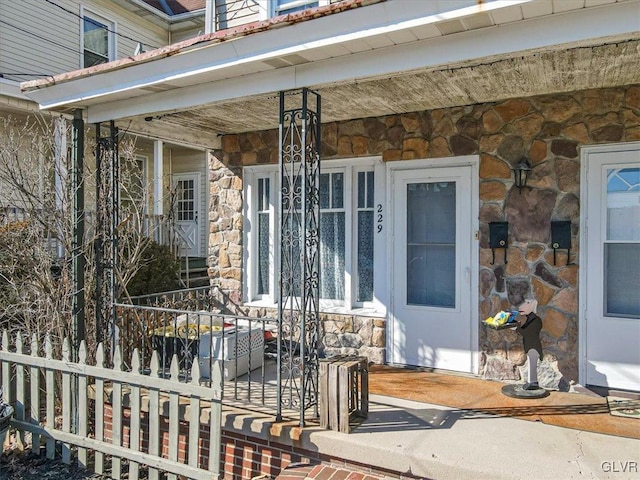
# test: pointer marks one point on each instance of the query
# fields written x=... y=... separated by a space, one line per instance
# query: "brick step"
x=323 y=472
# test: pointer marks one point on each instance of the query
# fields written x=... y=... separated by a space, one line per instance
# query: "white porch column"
x=60 y=171
x=158 y=174
x=210 y=17
x=267 y=7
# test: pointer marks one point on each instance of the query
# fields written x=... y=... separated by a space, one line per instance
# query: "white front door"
x=611 y=266
x=432 y=269
x=186 y=213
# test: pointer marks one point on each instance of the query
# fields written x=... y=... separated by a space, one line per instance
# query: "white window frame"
x=111 y=36
x=251 y=177
x=350 y=168
x=354 y=232
x=348 y=229
x=284 y=8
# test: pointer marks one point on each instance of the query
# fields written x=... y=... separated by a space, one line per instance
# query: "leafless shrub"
x=37 y=230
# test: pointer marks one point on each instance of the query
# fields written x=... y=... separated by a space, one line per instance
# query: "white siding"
x=28 y=44
x=37 y=37
x=186 y=34
x=27 y=154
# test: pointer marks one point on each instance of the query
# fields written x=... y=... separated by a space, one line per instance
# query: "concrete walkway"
x=429 y=441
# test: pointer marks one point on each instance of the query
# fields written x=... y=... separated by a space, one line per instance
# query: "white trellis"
x=29 y=382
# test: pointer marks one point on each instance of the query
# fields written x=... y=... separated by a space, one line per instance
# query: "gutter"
x=11 y=88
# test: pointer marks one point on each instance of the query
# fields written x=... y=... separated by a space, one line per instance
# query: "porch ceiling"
x=369 y=61
x=536 y=73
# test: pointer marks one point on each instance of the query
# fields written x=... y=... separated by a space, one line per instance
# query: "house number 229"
x=379 y=217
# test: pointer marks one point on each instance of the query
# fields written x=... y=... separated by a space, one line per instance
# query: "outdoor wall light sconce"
x=498 y=238
x=561 y=238
x=521 y=173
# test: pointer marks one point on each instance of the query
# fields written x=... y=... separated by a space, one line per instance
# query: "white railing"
x=142 y=423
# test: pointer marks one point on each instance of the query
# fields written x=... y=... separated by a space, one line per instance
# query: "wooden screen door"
x=186 y=213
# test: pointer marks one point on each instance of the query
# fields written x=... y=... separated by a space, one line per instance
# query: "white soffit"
x=199 y=63
x=566 y=5
x=252 y=65
x=445 y=50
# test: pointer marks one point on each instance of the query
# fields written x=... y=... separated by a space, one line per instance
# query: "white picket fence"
x=29 y=382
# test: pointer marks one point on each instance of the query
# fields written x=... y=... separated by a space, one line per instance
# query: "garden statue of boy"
x=530 y=332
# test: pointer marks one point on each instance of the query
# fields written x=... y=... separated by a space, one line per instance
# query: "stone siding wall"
x=354 y=335
x=547 y=130
x=341 y=334
x=225 y=226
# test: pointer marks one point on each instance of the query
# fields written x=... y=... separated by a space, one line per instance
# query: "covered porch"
x=459 y=86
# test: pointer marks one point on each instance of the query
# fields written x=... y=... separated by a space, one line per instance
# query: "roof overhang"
x=376 y=59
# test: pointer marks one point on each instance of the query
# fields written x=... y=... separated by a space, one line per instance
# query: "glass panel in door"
x=431 y=244
x=186 y=200
x=622 y=244
x=264 y=222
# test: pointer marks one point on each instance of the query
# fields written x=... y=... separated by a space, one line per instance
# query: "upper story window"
x=288 y=6
x=346 y=194
x=97 y=40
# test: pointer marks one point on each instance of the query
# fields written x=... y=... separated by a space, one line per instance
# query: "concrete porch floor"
x=438 y=426
x=581 y=409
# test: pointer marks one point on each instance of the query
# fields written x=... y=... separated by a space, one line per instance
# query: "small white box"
x=249 y=349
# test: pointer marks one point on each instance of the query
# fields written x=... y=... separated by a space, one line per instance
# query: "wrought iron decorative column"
x=106 y=244
x=299 y=286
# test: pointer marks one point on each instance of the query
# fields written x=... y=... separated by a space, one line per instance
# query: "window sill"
x=327 y=309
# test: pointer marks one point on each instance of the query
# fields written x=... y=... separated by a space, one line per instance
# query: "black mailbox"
x=561 y=237
x=498 y=238
x=498 y=234
x=561 y=234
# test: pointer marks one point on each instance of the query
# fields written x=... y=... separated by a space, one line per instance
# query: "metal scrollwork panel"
x=299 y=258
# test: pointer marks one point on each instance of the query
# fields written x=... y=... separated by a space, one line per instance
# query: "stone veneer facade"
x=548 y=130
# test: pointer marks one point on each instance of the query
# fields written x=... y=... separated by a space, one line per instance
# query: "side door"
x=187 y=231
x=611 y=267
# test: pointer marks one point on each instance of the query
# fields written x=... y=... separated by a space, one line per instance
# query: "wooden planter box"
x=344 y=392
